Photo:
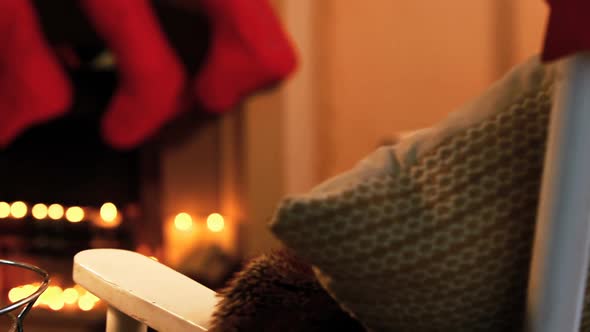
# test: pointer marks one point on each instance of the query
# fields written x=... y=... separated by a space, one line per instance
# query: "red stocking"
x=569 y=29
x=33 y=87
x=151 y=76
x=249 y=51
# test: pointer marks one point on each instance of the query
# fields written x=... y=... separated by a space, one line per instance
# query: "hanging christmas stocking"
x=568 y=30
x=249 y=51
x=33 y=87
x=151 y=76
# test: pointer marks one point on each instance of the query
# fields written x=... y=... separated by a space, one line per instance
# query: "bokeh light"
x=55 y=211
x=183 y=221
x=4 y=210
x=215 y=222
x=70 y=295
x=15 y=294
x=18 y=209
x=85 y=303
x=108 y=212
x=39 y=211
x=75 y=214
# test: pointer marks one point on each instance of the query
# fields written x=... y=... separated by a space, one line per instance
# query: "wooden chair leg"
x=119 y=322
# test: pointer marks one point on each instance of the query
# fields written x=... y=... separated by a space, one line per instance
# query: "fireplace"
x=64 y=190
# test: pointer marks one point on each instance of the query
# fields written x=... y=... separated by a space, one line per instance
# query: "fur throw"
x=277 y=292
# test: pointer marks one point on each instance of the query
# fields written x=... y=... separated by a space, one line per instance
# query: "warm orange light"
x=28 y=290
x=39 y=211
x=75 y=214
x=70 y=295
x=16 y=294
x=54 y=298
x=215 y=222
x=18 y=209
x=55 y=211
x=183 y=221
x=80 y=289
x=42 y=299
x=86 y=302
x=56 y=304
x=93 y=297
x=53 y=292
x=4 y=210
x=108 y=213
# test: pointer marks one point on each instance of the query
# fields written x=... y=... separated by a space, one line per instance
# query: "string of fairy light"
x=106 y=216
x=55 y=298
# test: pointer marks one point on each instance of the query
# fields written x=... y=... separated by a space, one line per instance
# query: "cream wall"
x=389 y=66
x=395 y=66
x=531 y=16
x=368 y=71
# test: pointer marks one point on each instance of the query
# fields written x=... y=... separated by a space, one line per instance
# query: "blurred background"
x=198 y=196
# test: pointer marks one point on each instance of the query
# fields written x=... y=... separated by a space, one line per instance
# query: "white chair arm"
x=145 y=290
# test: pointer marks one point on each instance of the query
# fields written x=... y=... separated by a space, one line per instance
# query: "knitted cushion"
x=435 y=233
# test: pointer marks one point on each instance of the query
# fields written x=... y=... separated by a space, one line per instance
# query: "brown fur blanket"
x=278 y=292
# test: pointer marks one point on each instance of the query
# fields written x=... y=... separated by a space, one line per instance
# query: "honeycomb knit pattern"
x=435 y=233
